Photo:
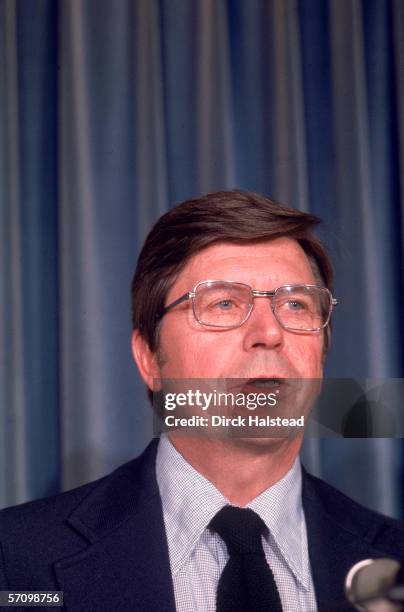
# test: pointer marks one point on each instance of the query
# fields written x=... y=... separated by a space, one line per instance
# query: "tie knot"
x=240 y=528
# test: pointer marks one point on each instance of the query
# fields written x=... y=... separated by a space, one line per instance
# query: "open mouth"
x=265 y=383
x=257 y=384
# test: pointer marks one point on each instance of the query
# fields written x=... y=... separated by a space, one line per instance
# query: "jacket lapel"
x=126 y=564
x=337 y=540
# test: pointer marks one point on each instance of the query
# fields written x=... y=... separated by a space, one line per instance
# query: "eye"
x=224 y=304
x=296 y=305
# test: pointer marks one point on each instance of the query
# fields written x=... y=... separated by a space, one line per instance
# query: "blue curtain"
x=113 y=110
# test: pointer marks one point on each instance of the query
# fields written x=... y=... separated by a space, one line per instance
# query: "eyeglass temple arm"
x=181 y=299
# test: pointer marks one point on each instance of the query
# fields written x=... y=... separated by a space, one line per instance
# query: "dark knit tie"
x=247 y=583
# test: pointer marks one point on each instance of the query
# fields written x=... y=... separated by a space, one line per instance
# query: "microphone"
x=376 y=585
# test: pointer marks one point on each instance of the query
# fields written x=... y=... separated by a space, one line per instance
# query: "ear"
x=146 y=361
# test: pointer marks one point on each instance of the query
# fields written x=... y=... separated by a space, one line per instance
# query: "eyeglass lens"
x=222 y=304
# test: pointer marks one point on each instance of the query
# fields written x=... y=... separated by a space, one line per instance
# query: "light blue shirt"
x=198 y=556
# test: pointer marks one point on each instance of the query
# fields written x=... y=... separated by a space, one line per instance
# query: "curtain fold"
x=29 y=417
x=12 y=414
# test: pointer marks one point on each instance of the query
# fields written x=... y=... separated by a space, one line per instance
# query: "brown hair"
x=225 y=216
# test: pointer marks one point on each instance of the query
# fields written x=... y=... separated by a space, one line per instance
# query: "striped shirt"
x=198 y=556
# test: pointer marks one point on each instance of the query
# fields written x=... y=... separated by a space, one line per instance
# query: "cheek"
x=308 y=357
x=195 y=354
x=179 y=350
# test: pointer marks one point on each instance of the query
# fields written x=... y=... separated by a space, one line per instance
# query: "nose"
x=262 y=329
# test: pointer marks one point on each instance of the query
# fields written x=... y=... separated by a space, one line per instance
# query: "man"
x=204 y=523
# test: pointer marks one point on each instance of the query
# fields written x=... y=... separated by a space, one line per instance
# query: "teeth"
x=265 y=382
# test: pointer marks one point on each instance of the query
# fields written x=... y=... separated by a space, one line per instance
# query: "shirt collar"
x=190 y=501
x=280 y=507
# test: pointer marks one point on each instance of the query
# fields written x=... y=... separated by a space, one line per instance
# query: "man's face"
x=260 y=348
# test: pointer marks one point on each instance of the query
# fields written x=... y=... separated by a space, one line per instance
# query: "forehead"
x=262 y=265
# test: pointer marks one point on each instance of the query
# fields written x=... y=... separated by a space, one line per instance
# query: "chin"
x=264 y=444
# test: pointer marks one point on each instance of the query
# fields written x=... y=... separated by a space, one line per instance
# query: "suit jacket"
x=104 y=544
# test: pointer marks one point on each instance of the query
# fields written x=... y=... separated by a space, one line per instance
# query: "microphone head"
x=368 y=584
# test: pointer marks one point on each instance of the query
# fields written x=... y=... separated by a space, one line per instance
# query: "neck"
x=239 y=469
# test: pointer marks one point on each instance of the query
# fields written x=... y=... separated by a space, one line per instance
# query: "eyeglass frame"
x=191 y=295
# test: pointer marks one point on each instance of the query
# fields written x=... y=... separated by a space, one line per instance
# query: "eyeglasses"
x=228 y=304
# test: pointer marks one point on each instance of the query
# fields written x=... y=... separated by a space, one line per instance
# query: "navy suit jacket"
x=104 y=544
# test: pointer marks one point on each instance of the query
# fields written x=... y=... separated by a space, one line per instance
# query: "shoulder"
x=35 y=534
x=46 y=512
x=348 y=517
x=56 y=508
